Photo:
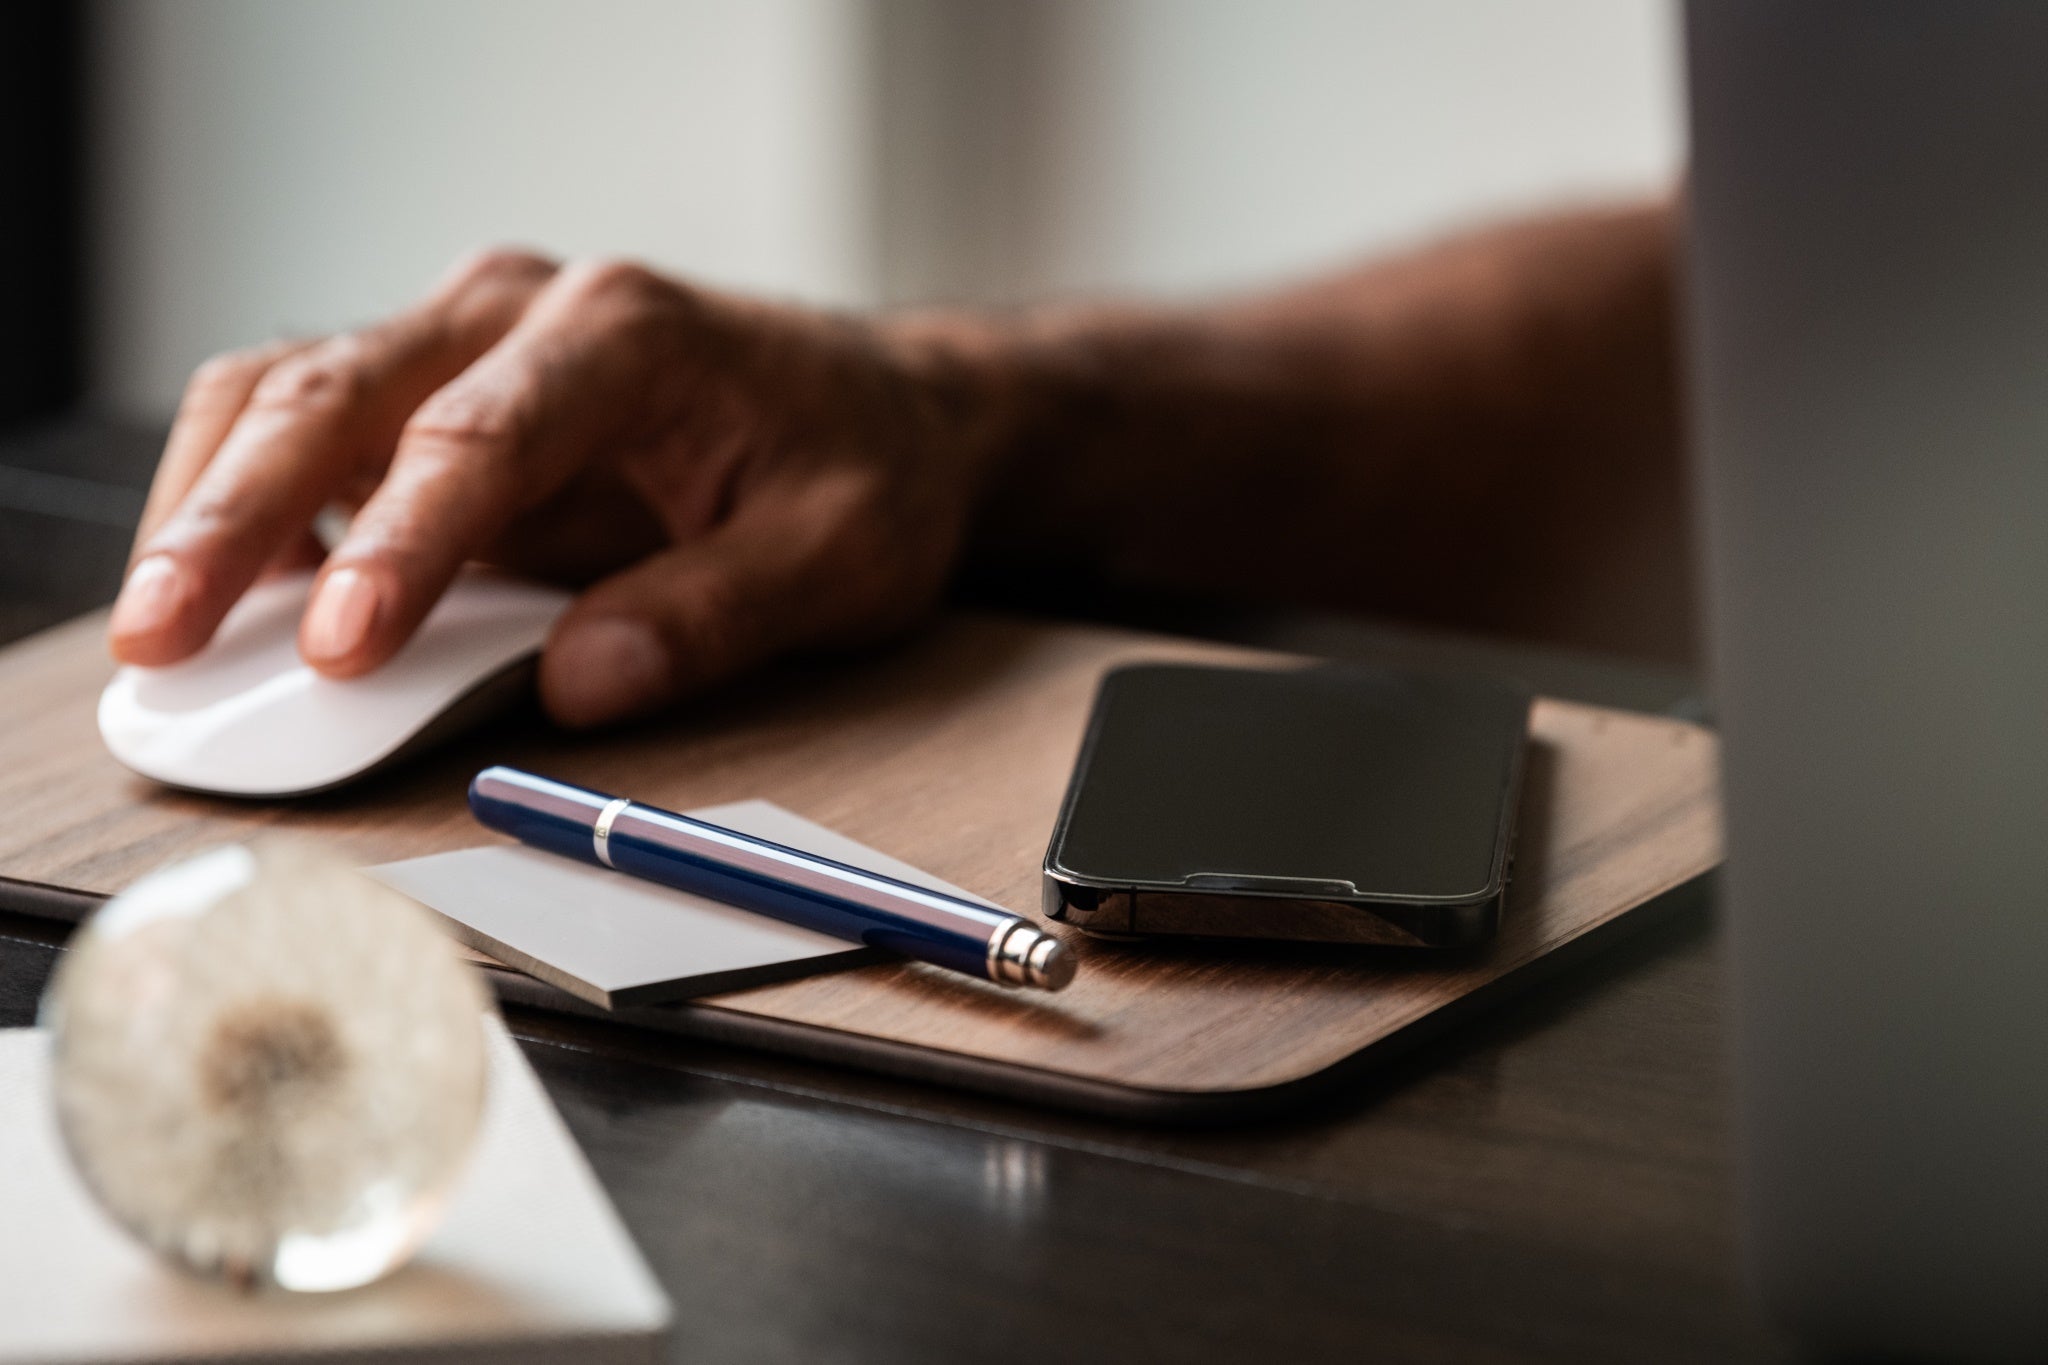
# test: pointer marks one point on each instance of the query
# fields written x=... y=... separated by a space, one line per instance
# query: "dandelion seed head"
x=268 y=1067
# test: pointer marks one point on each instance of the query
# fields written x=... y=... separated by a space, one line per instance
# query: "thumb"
x=675 y=623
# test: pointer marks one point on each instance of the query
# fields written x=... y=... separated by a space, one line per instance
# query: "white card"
x=615 y=940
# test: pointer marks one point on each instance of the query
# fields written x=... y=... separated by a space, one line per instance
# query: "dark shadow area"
x=42 y=234
x=71 y=492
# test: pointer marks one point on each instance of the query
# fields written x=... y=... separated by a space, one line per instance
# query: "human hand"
x=735 y=480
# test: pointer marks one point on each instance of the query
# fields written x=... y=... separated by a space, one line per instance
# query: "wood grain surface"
x=950 y=752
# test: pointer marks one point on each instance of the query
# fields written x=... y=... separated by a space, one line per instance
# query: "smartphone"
x=1330 y=804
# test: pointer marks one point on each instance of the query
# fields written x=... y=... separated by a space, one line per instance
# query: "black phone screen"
x=1344 y=780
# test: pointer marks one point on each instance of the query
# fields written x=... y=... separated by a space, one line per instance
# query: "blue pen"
x=770 y=879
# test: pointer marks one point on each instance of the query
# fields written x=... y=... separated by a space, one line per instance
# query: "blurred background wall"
x=261 y=167
x=296 y=167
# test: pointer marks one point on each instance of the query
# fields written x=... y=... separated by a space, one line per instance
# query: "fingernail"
x=604 y=669
x=156 y=590
x=339 y=619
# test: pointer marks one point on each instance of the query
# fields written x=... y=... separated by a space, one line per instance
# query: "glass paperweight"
x=268 y=1067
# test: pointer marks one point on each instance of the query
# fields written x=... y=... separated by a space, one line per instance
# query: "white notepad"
x=615 y=940
x=531 y=1263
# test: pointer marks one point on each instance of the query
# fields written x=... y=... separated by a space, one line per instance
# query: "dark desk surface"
x=1551 y=1183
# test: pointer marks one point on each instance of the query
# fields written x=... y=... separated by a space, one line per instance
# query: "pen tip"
x=1052 y=964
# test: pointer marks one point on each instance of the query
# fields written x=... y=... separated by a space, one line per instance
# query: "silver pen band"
x=601 y=832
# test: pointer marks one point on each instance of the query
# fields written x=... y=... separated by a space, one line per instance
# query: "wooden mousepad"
x=950 y=753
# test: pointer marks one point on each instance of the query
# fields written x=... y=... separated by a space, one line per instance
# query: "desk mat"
x=950 y=752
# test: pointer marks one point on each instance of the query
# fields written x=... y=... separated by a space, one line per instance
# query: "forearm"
x=1484 y=434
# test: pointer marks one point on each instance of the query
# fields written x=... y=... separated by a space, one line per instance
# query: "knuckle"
x=711 y=623
x=884 y=573
x=221 y=371
x=496 y=265
x=468 y=417
x=224 y=379
x=328 y=378
x=610 y=281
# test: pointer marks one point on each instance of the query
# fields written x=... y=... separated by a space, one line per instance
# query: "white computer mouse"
x=247 y=717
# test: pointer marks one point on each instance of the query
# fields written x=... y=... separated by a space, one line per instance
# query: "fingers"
x=142 y=629
x=214 y=398
x=243 y=487
x=576 y=374
x=698 y=614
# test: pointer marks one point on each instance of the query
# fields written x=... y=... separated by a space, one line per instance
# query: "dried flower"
x=268 y=1067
